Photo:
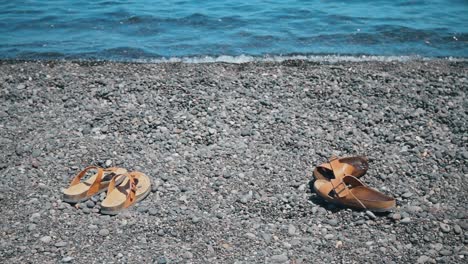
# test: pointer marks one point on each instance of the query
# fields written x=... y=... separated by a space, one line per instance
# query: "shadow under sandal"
x=355 y=166
x=351 y=192
x=135 y=187
x=79 y=191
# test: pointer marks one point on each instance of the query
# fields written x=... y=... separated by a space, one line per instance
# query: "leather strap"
x=339 y=186
x=94 y=188
x=131 y=196
x=338 y=169
x=354 y=182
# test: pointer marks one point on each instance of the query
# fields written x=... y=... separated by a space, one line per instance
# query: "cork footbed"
x=78 y=193
x=115 y=200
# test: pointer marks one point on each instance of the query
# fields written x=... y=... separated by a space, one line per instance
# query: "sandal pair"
x=337 y=182
x=123 y=188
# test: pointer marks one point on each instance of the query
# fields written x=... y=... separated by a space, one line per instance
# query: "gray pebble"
x=333 y=222
x=187 y=255
x=423 y=259
x=153 y=211
x=90 y=204
x=34 y=217
x=407 y=195
x=444 y=227
x=291 y=230
x=250 y=235
x=405 y=220
x=67 y=259
x=396 y=216
x=104 y=232
x=371 y=215
x=46 y=239
x=162 y=260
x=61 y=244
x=142 y=209
x=445 y=252
x=279 y=258
x=266 y=237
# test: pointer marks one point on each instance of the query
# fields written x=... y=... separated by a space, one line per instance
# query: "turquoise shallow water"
x=118 y=30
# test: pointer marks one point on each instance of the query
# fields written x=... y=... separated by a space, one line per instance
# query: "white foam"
x=280 y=58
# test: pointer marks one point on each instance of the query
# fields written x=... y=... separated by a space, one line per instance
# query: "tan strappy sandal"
x=347 y=190
x=356 y=166
x=135 y=187
x=351 y=192
x=79 y=191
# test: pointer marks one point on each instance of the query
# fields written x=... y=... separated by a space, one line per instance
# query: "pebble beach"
x=230 y=150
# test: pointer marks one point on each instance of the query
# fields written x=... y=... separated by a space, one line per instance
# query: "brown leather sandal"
x=355 y=166
x=351 y=192
x=79 y=191
x=135 y=187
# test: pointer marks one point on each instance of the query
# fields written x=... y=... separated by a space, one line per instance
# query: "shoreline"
x=240 y=59
x=230 y=149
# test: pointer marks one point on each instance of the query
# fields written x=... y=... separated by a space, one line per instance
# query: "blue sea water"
x=145 y=30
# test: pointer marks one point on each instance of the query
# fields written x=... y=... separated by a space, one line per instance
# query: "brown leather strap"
x=353 y=181
x=131 y=196
x=94 y=188
x=338 y=168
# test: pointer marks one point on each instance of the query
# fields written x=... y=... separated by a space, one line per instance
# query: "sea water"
x=215 y=29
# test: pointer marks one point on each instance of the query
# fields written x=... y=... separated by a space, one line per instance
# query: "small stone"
x=212 y=131
x=104 y=232
x=396 y=216
x=333 y=222
x=153 y=211
x=279 y=258
x=46 y=239
x=457 y=229
x=31 y=227
x=329 y=236
x=61 y=244
x=90 y=204
x=35 y=163
x=338 y=244
x=36 y=153
x=67 y=259
x=444 y=227
x=142 y=209
x=405 y=220
x=250 y=235
x=266 y=237
x=108 y=163
x=162 y=260
x=423 y=259
x=34 y=217
x=371 y=215
x=407 y=195
x=120 y=255
x=187 y=255
x=445 y=252
x=291 y=230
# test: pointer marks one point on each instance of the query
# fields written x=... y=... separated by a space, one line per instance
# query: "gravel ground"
x=230 y=149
